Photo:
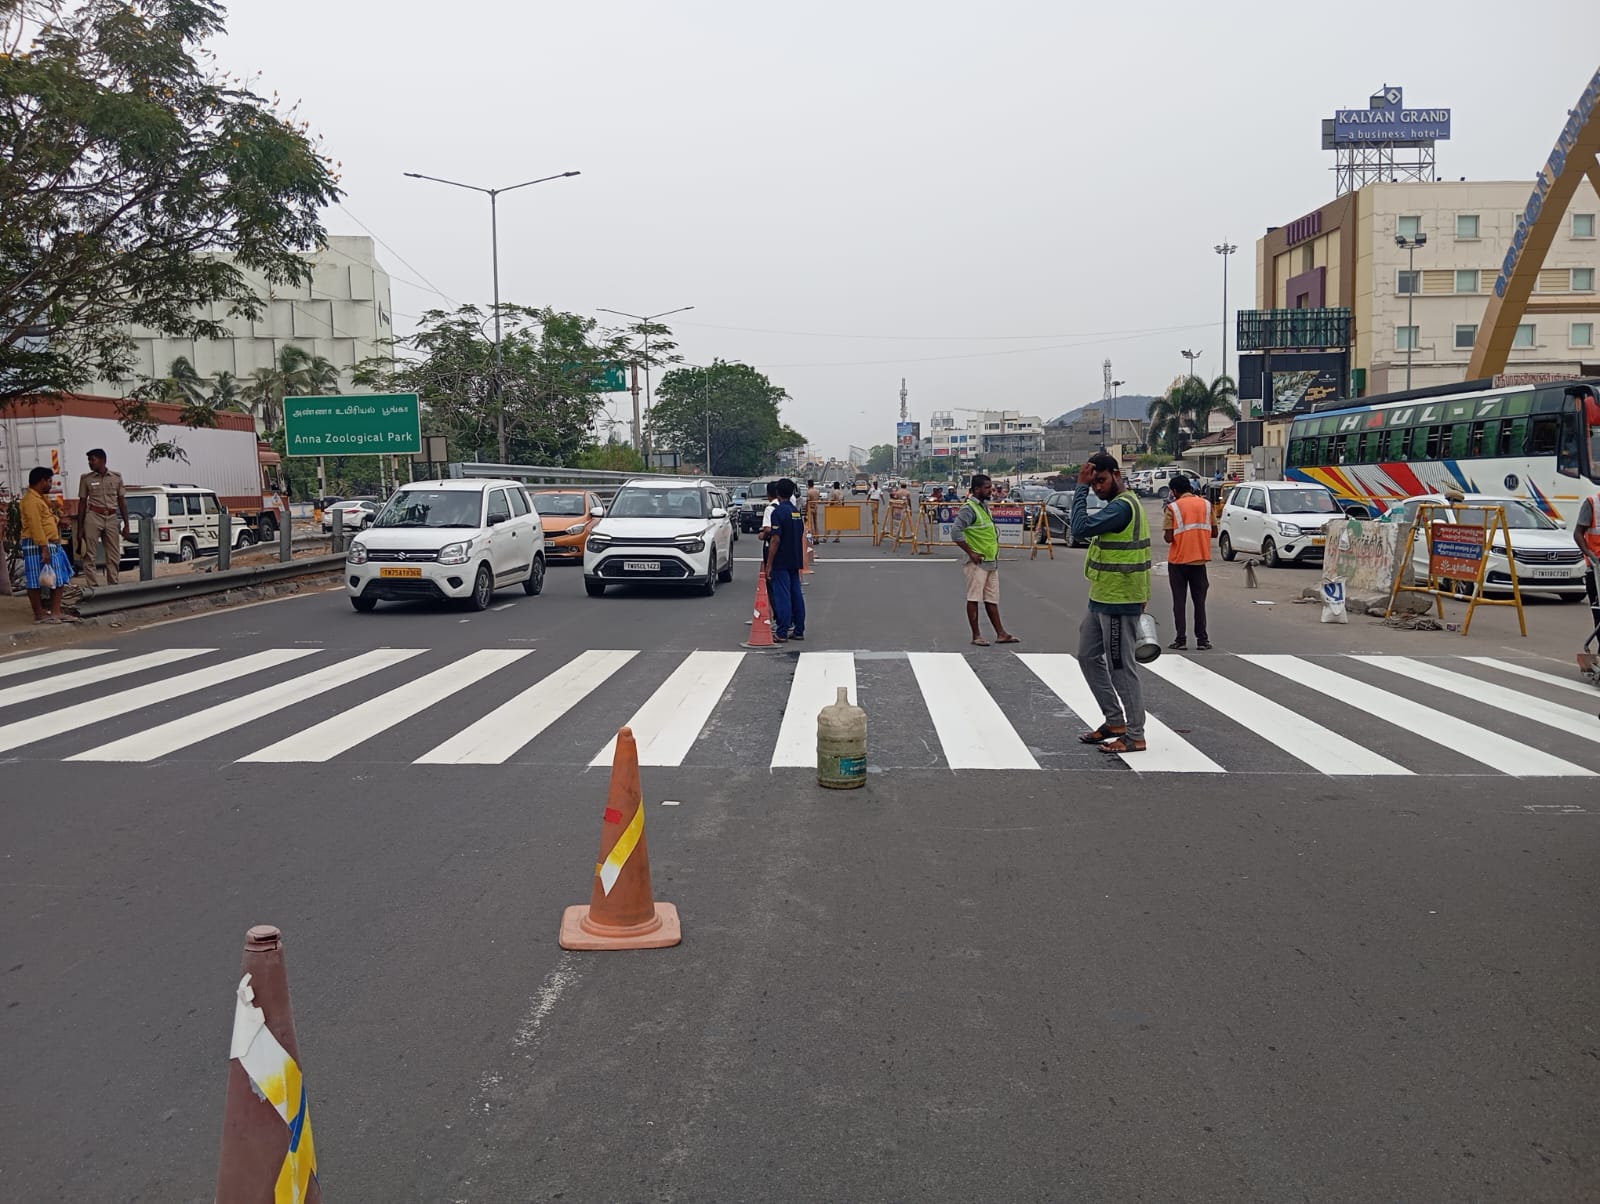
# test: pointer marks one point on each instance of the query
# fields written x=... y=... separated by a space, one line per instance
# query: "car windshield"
x=1520 y=516
x=570 y=504
x=142 y=504
x=1303 y=501
x=657 y=501
x=432 y=508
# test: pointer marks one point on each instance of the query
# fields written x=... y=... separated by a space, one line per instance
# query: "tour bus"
x=1539 y=441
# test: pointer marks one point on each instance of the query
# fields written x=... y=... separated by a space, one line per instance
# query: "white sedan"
x=356 y=514
x=1548 y=560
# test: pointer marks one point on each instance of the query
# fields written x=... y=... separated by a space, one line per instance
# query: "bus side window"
x=1419 y=443
x=1543 y=435
x=1460 y=440
x=1512 y=435
x=1397 y=443
x=1486 y=438
x=1568 y=453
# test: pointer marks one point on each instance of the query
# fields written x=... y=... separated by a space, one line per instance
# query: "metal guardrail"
x=603 y=481
x=108 y=599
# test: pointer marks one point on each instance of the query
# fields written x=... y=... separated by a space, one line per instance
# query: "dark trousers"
x=1189 y=579
x=788 y=602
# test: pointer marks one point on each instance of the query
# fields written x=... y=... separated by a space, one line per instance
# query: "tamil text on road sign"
x=1455 y=551
x=357 y=424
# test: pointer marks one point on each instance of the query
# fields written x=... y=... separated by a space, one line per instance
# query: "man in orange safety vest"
x=1187 y=529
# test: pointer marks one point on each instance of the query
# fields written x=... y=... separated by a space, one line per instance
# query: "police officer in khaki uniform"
x=103 y=516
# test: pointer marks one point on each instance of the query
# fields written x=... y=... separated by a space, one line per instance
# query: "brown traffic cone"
x=267 y=1152
x=622 y=911
x=761 y=625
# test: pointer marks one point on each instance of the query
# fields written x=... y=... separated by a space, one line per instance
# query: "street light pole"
x=1409 y=246
x=1225 y=249
x=494 y=254
x=643 y=319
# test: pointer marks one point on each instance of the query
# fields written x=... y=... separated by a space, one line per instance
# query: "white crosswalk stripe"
x=972 y=728
x=224 y=717
x=342 y=732
x=665 y=727
x=1165 y=750
x=728 y=709
x=499 y=735
x=1415 y=719
x=43 y=660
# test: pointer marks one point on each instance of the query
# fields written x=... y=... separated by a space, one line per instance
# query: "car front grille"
x=1547 y=555
x=639 y=541
x=401 y=556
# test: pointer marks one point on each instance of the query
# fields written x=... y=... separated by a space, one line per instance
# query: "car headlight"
x=1288 y=529
x=455 y=553
x=356 y=553
x=596 y=542
x=575 y=529
x=690 y=543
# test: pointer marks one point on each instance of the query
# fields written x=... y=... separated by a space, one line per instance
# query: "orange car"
x=568 y=516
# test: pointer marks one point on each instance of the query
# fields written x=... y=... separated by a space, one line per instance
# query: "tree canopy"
x=551 y=365
x=138 y=187
x=881 y=457
x=1183 y=413
x=739 y=404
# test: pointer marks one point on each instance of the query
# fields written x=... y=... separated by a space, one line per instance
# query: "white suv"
x=1282 y=520
x=661 y=531
x=447 y=539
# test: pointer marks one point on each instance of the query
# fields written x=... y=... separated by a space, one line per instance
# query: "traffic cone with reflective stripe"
x=806 y=569
x=267 y=1152
x=761 y=625
x=622 y=911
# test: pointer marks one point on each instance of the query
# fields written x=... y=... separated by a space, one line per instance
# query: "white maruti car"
x=1280 y=520
x=447 y=539
x=1549 y=560
x=662 y=532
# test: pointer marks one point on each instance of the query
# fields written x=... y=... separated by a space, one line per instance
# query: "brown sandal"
x=1122 y=744
x=1102 y=733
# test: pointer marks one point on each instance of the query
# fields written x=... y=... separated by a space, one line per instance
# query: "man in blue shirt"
x=786 y=556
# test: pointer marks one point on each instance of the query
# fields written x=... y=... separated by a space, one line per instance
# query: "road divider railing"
x=107 y=599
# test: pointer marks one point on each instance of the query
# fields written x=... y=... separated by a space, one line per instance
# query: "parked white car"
x=1548 y=561
x=1281 y=521
x=354 y=514
x=447 y=539
x=664 y=532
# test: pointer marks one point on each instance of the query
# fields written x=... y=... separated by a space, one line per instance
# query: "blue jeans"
x=788 y=602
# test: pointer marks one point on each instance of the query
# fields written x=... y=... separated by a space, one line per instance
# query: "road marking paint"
x=159 y=741
x=83 y=714
x=670 y=719
x=1549 y=679
x=49 y=686
x=341 y=732
x=973 y=730
x=1551 y=714
x=44 y=660
x=1413 y=718
x=870 y=560
x=496 y=737
x=669 y=802
x=817 y=678
x=1296 y=735
x=1165 y=750
x=503 y=606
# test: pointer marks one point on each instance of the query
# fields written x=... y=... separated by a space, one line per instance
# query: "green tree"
x=1166 y=420
x=295 y=372
x=1201 y=400
x=545 y=384
x=881 y=457
x=139 y=185
x=740 y=406
x=615 y=457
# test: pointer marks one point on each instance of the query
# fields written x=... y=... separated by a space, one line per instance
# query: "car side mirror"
x=597 y=512
x=1354 y=511
x=719 y=512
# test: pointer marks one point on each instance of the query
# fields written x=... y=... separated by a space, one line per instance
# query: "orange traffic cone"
x=267 y=1152
x=622 y=911
x=761 y=625
x=810 y=558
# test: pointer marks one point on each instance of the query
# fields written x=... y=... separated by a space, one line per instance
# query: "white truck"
x=227 y=459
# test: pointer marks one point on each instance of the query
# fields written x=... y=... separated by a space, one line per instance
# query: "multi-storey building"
x=1415 y=263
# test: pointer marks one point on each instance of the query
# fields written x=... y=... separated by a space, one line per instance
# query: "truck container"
x=228 y=459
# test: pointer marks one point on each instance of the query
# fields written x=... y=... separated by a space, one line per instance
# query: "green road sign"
x=353 y=424
x=610 y=378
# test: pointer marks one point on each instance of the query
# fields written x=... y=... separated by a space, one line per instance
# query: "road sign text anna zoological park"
x=356 y=424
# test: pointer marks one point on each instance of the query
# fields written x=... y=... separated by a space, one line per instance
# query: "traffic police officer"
x=102 y=516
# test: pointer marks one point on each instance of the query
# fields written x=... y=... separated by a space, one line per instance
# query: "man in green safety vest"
x=1118 y=567
x=973 y=532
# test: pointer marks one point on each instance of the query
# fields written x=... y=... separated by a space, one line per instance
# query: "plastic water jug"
x=841 y=744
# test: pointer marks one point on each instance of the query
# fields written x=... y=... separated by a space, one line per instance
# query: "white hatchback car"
x=1283 y=521
x=447 y=539
x=661 y=531
x=1548 y=559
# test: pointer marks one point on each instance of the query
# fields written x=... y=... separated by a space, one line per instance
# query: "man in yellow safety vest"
x=973 y=531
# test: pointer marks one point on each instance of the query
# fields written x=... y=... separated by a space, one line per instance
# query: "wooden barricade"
x=1458 y=552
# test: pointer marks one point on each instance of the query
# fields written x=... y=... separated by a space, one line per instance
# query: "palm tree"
x=1166 y=414
x=1200 y=401
x=295 y=373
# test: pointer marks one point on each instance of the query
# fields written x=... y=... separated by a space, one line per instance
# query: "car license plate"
x=399 y=572
x=641 y=566
x=1548 y=574
x=1318 y=541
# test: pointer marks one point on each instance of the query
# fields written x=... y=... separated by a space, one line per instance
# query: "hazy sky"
x=987 y=199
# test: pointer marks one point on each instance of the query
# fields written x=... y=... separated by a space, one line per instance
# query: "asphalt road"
x=1081 y=980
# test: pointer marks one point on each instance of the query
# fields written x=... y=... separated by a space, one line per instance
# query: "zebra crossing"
x=1333 y=716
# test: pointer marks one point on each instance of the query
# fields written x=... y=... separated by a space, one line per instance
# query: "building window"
x=1408 y=227
x=1467 y=226
x=1583 y=225
x=1583 y=280
x=1405 y=338
x=1466 y=336
x=1467 y=281
x=1582 y=334
x=1524 y=336
x=1408 y=282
